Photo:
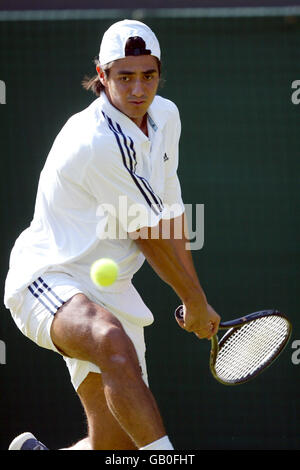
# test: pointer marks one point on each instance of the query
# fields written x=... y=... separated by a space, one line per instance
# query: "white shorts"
x=47 y=294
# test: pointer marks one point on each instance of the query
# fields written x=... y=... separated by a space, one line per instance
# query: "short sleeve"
x=173 y=204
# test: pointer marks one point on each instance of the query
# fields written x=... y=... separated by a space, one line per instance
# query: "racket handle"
x=179 y=312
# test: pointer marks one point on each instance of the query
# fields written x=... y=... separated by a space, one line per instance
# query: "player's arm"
x=165 y=248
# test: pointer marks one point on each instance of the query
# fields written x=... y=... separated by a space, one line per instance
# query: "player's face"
x=132 y=85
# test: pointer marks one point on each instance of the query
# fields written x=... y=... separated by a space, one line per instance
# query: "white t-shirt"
x=103 y=178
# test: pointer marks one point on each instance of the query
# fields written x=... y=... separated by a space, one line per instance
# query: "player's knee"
x=112 y=342
x=117 y=352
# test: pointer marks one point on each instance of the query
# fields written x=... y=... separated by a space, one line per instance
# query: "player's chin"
x=136 y=111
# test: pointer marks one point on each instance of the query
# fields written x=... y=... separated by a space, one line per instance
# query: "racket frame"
x=232 y=326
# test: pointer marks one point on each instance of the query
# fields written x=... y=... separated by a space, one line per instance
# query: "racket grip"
x=179 y=312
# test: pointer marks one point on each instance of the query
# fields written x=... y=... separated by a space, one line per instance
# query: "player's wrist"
x=195 y=300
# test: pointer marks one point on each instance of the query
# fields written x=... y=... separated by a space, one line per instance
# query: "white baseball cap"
x=115 y=43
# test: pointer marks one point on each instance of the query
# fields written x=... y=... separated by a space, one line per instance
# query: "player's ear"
x=102 y=75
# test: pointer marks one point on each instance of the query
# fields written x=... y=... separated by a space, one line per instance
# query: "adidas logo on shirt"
x=166 y=157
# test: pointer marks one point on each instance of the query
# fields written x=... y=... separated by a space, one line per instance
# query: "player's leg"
x=84 y=330
x=105 y=433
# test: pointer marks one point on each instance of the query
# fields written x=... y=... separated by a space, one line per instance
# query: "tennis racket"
x=251 y=344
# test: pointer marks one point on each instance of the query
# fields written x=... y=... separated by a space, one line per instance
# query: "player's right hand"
x=204 y=321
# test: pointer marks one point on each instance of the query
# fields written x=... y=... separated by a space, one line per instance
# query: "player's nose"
x=138 y=89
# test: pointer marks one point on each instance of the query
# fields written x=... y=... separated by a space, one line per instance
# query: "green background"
x=231 y=80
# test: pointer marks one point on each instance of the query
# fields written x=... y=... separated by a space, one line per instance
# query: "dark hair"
x=94 y=84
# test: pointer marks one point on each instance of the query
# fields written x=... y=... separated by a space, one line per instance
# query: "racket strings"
x=250 y=347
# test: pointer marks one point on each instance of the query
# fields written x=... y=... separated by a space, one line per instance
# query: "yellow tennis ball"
x=104 y=272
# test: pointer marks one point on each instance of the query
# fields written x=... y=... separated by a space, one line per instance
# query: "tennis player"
x=109 y=188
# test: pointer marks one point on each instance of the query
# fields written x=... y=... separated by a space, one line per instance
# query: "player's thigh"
x=87 y=331
x=104 y=431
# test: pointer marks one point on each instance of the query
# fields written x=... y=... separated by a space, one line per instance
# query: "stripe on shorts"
x=45 y=295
